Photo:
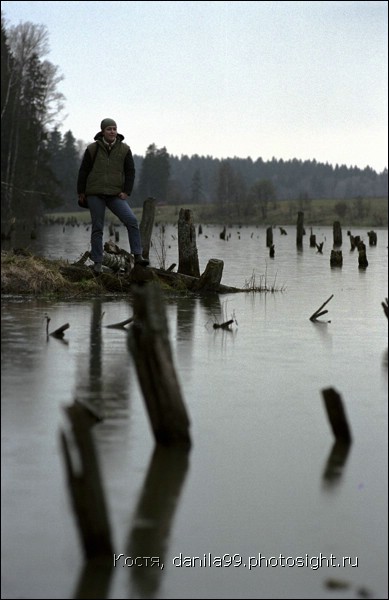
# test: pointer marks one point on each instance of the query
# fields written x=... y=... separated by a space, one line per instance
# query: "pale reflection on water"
x=264 y=474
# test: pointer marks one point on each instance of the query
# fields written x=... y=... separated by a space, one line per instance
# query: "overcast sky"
x=305 y=80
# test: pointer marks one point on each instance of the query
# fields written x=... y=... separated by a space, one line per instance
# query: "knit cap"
x=107 y=123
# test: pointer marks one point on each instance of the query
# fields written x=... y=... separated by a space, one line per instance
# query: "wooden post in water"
x=188 y=260
x=362 y=258
x=372 y=238
x=269 y=237
x=150 y=348
x=312 y=240
x=211 y=278
x=336 y=415
x=336 y=259
x=337 y=233
x=146 y=224
x=300 y=229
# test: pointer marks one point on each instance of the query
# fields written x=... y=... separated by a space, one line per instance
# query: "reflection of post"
x=85 y=486
x=341 y=430
x=150 y=347
x=95 y=346
x=94 y=579
x=335 y=462
x=153 y=518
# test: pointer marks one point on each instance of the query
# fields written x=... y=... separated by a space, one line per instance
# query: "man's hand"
x=82 y=201
x=123 y=196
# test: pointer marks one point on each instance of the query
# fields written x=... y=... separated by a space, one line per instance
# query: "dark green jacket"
x=106 y=172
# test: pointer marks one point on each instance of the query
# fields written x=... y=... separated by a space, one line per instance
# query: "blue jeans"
x=122 y=210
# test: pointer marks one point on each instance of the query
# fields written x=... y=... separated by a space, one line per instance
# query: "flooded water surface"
x=265 y=504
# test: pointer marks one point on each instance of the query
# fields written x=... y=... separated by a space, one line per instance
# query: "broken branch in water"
x=319 y=312
x=121 y=324
x=225 y=325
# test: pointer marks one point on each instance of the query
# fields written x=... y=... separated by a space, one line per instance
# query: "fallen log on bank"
x=208 y=282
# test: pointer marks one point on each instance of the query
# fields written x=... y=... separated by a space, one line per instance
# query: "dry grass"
x=26 y=274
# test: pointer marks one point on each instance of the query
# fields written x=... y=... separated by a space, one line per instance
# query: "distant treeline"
x=39 y=165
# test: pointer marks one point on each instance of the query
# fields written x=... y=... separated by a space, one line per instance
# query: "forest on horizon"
x=39 y=165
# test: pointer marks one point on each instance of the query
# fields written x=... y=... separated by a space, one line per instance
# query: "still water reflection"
x=263 y=475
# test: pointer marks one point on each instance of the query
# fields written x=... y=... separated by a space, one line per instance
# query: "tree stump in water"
x=147 y=224
x=362 y=258
x=337 y=233
x=211 y=278
x=150 y=347
x=300 y=229
x=269 y=237
x=336 y=259
x=188 y=261
x=372 y=238
x=336 y=415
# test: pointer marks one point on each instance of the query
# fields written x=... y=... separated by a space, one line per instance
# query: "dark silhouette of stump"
x=336 y=259
x=372 y=238
x=362 y=258
x=312 y=240
x=337 y=233
x=336 y=415
x=188 y=261
x=300 y=229
x=150 y=348
x=147 y=224
x=211 y=278
x=269 y=237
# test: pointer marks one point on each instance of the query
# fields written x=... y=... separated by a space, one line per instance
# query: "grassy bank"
x=358 y=212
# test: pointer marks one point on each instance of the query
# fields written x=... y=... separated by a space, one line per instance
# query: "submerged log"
x=319 y=312
x=120 y=325
x=60 y=332
x=225 y=325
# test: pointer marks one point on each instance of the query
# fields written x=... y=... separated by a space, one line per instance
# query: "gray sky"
x=305 y=80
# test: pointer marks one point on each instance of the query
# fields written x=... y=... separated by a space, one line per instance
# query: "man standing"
x=105 y=180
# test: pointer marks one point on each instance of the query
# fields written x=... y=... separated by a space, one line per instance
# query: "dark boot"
x=139 y=260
